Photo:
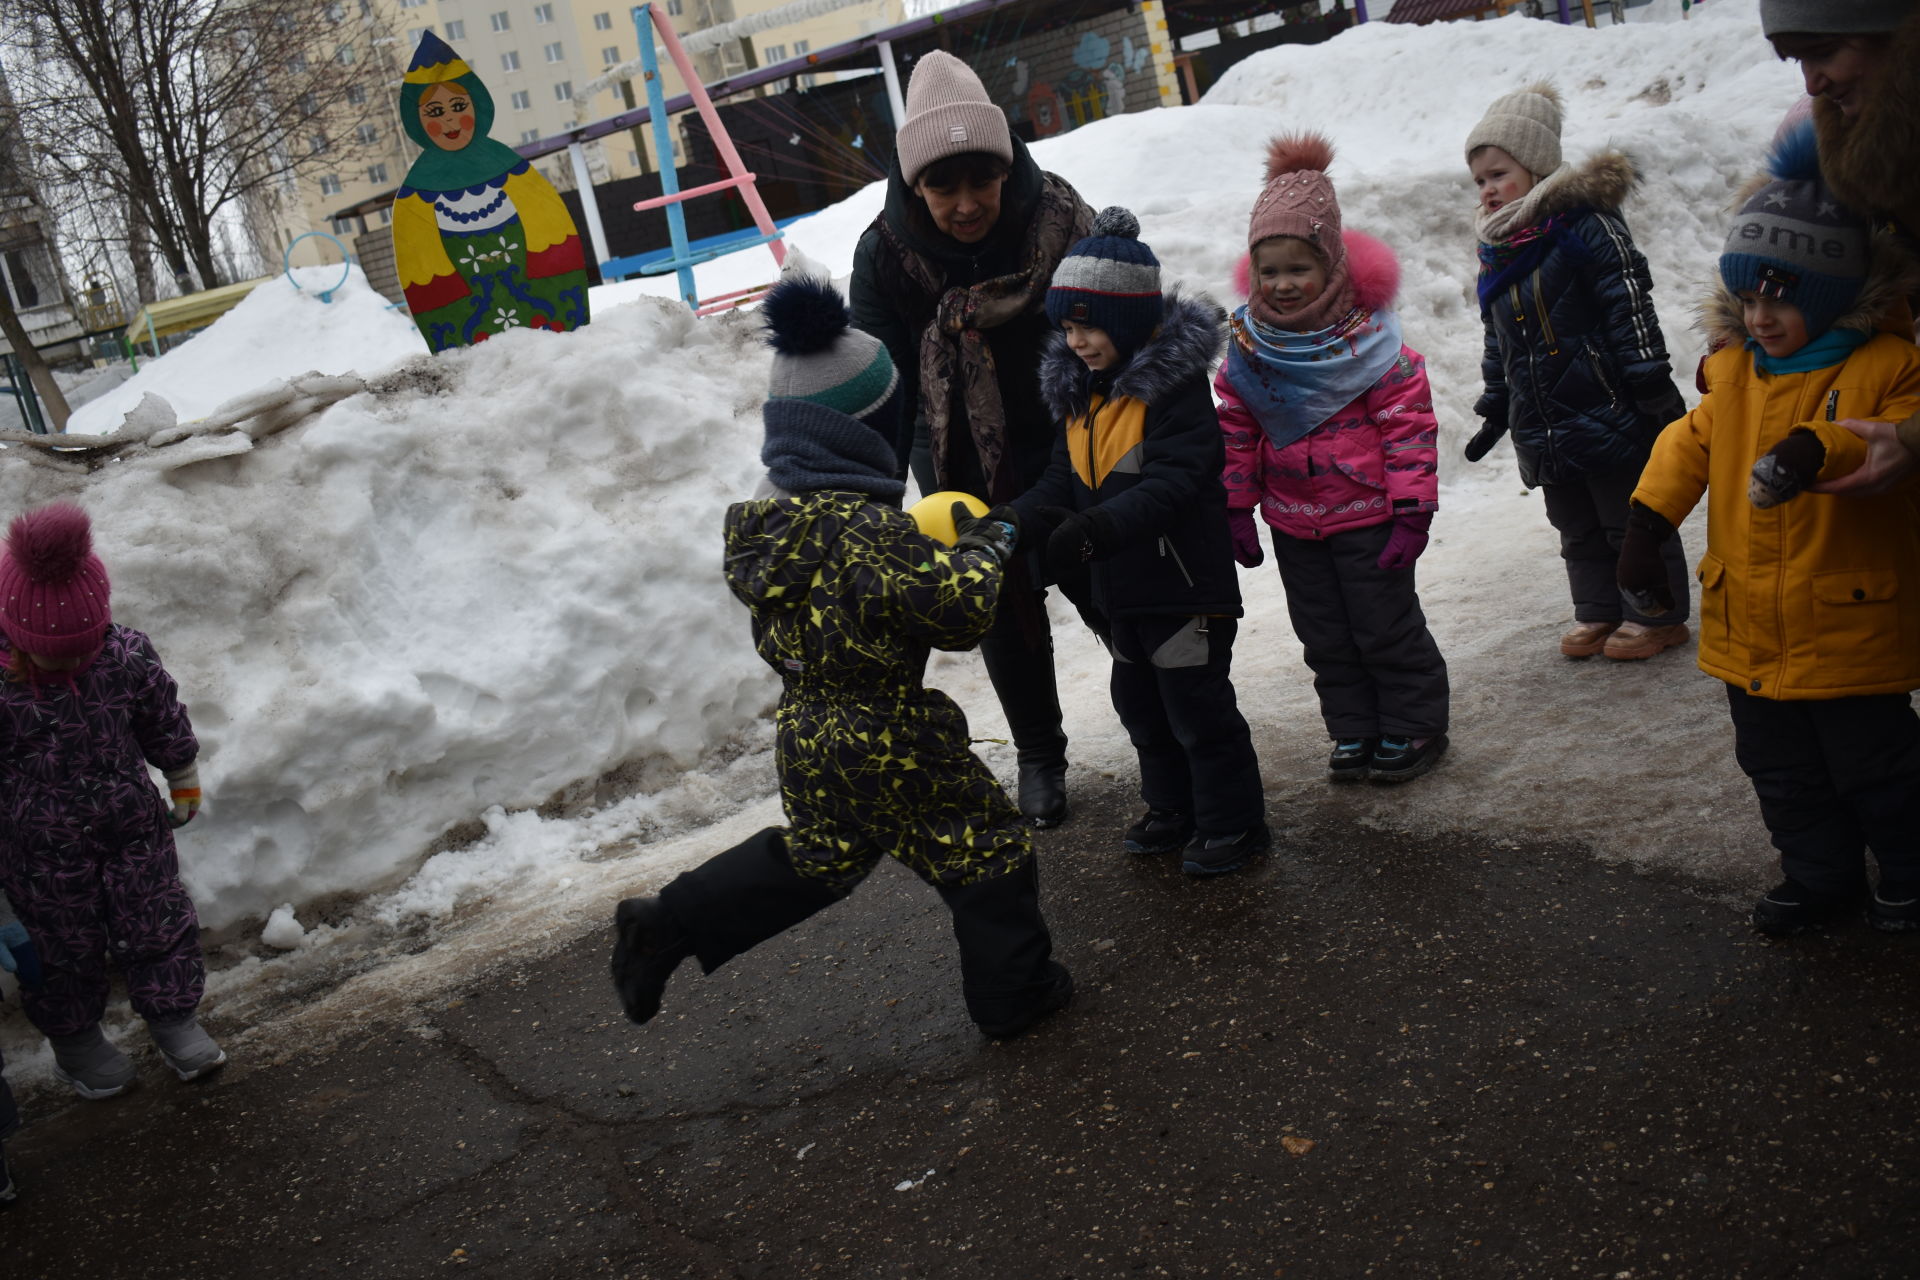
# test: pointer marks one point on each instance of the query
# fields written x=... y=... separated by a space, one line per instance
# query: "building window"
x=414 y=34
x=563 y=91
x=297 y=63
x=411 y=4
x=801 y=48
x=674 y=8
x=377 y=174
x=807 y=82
x=336 y=13
x=457 y=30
x=309 y=104
x=633 y=157
x=345 y=56
x=357 y=95
x=329 y=184
x=772 y=53
x=317 y=145
x=530 y=135
x=366 y=134
x=522 y=100
x=510 y=60
x=501 y=22
x=542 y=14
x=556 y=52
x=610 y=55
x=343 y=226
x=603 y=22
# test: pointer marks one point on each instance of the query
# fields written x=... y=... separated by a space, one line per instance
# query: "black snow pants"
x=738 y=899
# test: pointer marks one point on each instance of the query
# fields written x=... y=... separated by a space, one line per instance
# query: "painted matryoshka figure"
x=482 y=241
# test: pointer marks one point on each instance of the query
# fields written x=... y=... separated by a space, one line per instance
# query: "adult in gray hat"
x=953 y=277
x=1861 y=62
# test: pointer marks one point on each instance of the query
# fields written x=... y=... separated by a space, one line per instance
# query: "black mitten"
x=1641 y=571
x=1484 y=439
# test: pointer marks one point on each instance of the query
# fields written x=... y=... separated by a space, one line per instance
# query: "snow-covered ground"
x=458 y=649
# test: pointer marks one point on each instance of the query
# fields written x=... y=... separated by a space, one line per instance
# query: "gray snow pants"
x=1375 y=665
x=1590 y=514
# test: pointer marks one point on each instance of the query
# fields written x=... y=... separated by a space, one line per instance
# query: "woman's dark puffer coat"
x=1575 y=364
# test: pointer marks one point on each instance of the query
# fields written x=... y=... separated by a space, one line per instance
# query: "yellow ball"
x=934 y=513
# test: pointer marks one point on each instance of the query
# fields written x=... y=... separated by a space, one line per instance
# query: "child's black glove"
x=1787 y=468
x=1484 y=439
x=1641 y=572
x=1078 y=536
x=996 y=532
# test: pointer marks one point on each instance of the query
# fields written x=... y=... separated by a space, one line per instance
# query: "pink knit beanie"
x=948 y=112
x=1299 y=201
x=53 y=589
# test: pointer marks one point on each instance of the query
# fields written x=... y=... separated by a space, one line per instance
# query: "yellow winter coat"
x=1818 y=597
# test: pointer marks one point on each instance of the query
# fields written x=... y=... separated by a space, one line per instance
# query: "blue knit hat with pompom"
x=819 y=358
x=1794 y=240
x=1109 y=281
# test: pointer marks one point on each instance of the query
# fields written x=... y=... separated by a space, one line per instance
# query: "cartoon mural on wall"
x=1094 y=88
x=482 y=241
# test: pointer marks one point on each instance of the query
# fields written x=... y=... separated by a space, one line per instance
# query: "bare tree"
x=179 y=107
x=20 y=200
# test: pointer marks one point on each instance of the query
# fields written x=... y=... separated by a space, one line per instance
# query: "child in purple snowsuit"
x=86 y=850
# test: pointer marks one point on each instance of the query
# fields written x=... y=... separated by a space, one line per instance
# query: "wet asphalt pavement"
x=1375 y=1055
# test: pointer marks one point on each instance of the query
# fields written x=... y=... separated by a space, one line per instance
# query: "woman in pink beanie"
x=86 y=843
x=1331 y=436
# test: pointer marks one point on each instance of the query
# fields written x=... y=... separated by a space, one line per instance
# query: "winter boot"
x=1633 y=641
x=1404 y=759
x=1894 y=910
x=1160 y=831
x=648 y=946
x=1023 y=680
x=1790 y=907
x=1586 y=639
x=1351 y=759
x=1218 y=855
x=186 y=1048
x=1006 y=968
x=89 y=1062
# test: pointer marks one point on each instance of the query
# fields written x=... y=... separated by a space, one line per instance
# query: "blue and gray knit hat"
x=1109 y=281
x=1793 y=239
x=820 y=359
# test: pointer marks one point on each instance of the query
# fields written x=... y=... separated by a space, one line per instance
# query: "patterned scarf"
x=954 y=348
x=1293 y=382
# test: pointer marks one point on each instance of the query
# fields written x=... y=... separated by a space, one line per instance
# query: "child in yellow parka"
x=1809 y=603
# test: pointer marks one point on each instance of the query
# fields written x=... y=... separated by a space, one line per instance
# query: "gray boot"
x=190 y=1051
x=91 y=1063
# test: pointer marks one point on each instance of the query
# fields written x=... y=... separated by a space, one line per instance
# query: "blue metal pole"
x=1566 y=15
x=1360 y=11
x=663 y=145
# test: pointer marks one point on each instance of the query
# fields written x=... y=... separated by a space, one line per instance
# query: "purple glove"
x=1407 y=540
x=1246 y=538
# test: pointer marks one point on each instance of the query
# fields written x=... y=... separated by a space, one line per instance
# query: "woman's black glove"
x=1484 y=439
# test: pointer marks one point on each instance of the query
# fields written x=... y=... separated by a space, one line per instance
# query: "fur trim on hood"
x=1191 y=337
x=1892 y=275
x=1372 y=264
x=1603 y=182
x=1872 y=162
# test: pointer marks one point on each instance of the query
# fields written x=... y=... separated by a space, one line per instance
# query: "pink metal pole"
x=748 y=192
x=691 y=192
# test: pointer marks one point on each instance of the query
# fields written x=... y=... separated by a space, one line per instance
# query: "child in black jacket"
x=1139 y=537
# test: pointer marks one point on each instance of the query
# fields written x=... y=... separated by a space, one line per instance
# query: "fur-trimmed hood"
x=1191 y=337
x=1892 y=275
x=1872 y=162
x=1603 y=182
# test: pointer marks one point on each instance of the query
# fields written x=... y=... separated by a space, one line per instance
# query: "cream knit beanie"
x=948 y=112
x=1526 y=125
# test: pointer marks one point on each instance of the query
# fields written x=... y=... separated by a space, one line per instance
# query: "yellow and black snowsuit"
x=848 y=598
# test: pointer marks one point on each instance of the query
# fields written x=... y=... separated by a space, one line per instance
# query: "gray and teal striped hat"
x=819 y=358
x=1109 y=281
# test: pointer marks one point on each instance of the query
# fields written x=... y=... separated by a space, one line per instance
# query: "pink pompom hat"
x=53 y=589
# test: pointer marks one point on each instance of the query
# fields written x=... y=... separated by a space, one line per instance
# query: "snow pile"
x=277 y=331
x=488 y=580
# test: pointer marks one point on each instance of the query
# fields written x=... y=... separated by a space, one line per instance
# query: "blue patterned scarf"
x=1293 y=382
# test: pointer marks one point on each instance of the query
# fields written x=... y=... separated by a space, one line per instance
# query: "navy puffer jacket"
x=1575 y=364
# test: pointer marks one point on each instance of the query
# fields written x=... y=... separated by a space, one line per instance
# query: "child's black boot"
x=1403 y=759
x=1352 y=759
x=1790 y=908
x=1160 y=831
x=648 y=946
x=1895 y=909
x=1218 y=855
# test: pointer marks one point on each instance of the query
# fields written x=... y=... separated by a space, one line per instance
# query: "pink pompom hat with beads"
x=53 y=589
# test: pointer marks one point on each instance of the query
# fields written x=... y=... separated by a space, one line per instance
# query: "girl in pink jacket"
x=1330 y=432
